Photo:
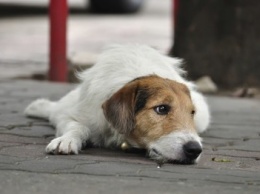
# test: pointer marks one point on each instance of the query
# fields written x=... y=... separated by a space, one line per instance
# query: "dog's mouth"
x=160 y=159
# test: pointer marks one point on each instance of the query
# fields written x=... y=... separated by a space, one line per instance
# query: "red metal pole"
x=58 y=12
x=175 y=4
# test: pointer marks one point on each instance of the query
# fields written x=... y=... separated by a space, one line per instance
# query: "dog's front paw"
x=64 y=145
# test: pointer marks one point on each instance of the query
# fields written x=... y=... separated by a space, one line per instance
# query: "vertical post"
x=58 y=12
x=175 y=9
x=175 y=13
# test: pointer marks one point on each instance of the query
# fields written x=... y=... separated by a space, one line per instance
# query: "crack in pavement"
x=28 y=136
x=145 y=176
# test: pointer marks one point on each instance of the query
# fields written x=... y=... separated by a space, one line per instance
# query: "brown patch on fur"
x=131 y=109
x=119 y=109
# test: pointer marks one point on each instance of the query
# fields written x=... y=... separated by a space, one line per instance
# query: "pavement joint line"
x=234 y=124
x=19 y=144
x=214 y=137
x=243 y=150
x=16 y=162
x=233 y=156
x=11 y=127
x=10 y=146
x=19 y=135
x=134 y=176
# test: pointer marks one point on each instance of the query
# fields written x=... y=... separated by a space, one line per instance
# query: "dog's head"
x=156 y=114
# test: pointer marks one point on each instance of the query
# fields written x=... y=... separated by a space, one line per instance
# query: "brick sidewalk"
x=230 y=162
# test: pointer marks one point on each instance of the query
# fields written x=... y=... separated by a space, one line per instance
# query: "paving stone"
x=35 y=131
x=24 y=182
x=11 y=138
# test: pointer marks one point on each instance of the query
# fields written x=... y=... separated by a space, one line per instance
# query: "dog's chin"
x=160 y=159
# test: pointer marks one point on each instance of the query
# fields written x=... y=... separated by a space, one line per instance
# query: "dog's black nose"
x=192 y=150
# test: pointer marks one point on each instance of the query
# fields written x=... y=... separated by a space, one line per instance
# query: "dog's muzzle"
x=190 y=153
x=181 y=148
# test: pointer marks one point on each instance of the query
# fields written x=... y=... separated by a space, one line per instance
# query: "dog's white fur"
x=79 y=117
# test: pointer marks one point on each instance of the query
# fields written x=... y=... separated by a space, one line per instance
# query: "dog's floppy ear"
x=119 y=109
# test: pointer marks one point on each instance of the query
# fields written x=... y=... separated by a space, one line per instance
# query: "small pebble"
x=159 y=165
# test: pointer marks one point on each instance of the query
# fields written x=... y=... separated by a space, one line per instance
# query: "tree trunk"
x=219 y=38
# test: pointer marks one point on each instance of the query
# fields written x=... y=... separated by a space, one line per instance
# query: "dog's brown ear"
x=119 y=109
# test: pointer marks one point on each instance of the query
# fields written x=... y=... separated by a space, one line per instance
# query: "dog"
x=133 y=94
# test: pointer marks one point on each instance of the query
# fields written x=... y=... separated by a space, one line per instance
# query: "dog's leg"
x=70 y=133
x=70 y=137
x=202 y=115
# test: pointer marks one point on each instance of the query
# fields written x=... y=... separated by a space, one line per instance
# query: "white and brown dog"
x=132 y=94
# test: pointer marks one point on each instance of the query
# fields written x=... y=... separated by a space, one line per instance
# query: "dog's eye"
x=193 y=112
x=162 y=109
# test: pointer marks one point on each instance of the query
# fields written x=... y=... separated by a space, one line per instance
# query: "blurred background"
x=24 y=32
x=219 y=40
